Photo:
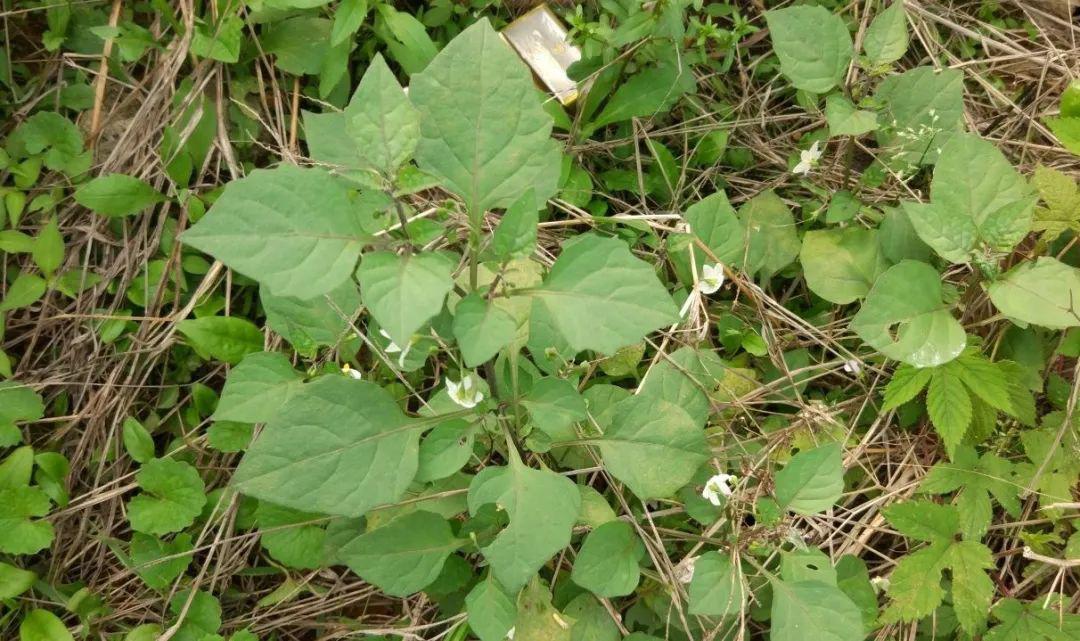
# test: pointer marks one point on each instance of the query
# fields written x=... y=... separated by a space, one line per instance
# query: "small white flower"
x=808 y=159
x=393 y=348
x=684 y=571
x=853 y=367
x=716 y=487
x=464 y=392
x=880 y=584
x=712 y=277
x=510 y=633
x=350 y=372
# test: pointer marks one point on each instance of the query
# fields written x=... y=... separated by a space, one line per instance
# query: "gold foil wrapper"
x=540 y=39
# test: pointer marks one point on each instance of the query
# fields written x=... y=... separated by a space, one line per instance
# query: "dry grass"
x=1012 y=83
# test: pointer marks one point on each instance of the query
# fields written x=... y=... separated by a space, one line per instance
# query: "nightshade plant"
x=547 y=439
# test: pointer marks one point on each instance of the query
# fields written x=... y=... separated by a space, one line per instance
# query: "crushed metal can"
x=540 y=38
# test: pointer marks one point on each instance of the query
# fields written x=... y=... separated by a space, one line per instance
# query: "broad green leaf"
x=338 y=446
x=898 y=238
x=1044 y=293
x=922 y=109
x=42 y=625
x=445 y=450
x=16 y=467
x=219 y=41
x=976 y=198
x=845 y=119
x=770 y=228
x=853 y=579
x=158 y=563
x=807 y=565
x=292 y=229
x=14 y=581
x=117 y=195
x=601 y=297
x=949 y=407
x=685 y=378
x=713 y=221
x=886 y=39
x=172 y=496
x=813 y=45
x=229 y=436
x=405 y=555
x=810 y=609
x=607 y=564
x=904 y=318
x=595 y=510
x=226 y=338
x=554 y=405
x=490 y=610
x=1061 y=195
x=591 y=620
x=841 y=265
x=24 y=291
x=405 y=38
x=482 y=329
x=348 y=17
x=290 y=42
x=515 y=237
x=381 y=120
x=20 y=532
x=905 y=384
x=542 y=507
x=137 y=441
x=1067 y=131
x=294 y=538
x=257 y=387
x=405 y=292
x=202 y=618
x=650 y=91
x=718 y=587
x=325 y=320
x=812 y=481
x=537 y=619
x=483 y=129
x=653 y=446
x=18 y=403
x=48 y=250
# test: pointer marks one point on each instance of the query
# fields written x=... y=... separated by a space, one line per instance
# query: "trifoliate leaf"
x=977 y=479
x=172 y=496
x=20 y=533
x=1031 y=622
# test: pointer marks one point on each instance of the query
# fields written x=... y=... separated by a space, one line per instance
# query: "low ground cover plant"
x=323 y=320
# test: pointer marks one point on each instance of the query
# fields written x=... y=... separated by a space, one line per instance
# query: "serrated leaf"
x=404 y=292
x=172 y=496
x=607 y=564
x=906 y=383
x=923 y=520
x=482 y=329
x=542 y=507
x=467 y=96
x=812 y=481
x=117 y=195
x=813 y=45
x=1031 y=622
x=717 y=587
x=338 y=446
x=972 y=589
x=1061 y=195
x=886 y=39
x=841 y=265
x=405 y=555
x=1045 y=293
x=949 y=407
x=903 y=317
x=600 y=297
x=257 y=387
x=293 y=229
x=915 y=585
x=652 y=445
